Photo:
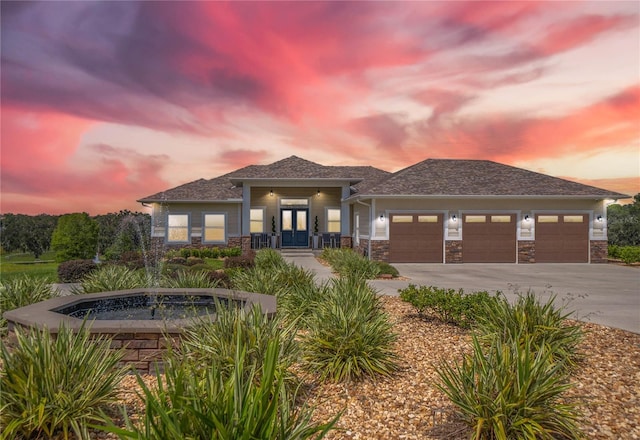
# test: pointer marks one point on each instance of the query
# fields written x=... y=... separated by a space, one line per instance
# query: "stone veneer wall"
x=362 y=248
x=158 y=243
x=526 y=251
x=599 y=251
x=142 y=351
x=380 y=250
x=345 y=241
x=453 y=251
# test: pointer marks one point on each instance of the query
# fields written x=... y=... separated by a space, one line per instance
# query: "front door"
x=295 y=227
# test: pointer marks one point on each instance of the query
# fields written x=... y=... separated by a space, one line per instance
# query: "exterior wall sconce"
x=381 y=218
x=527 y=218
x=318 y=193
x=271 y=192
x=599 y=219
x=454 y=218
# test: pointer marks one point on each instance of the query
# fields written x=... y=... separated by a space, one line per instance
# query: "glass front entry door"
x=294 y=227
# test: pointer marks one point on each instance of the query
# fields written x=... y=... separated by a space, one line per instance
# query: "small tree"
x=75 y=237
x=623 y=223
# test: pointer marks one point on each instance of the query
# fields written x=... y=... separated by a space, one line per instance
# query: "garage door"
x=489 y=238
x=416 y=238
x=562 y=238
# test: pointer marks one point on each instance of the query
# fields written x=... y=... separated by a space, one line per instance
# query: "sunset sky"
x=104 y=103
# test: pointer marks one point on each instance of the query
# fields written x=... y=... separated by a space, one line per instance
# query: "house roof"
x=228 y=186
x=451 y=177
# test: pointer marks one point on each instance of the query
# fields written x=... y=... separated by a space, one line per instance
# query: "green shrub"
x=543 y=325
x=630 y=254
x=111 y=277
x=132 y=259
x=387 y=269
x=190 y=279
x=177 y=261
x=250 y=402
x=22 y=291
x=53 y=387
x=448 y=305
x=348 y=263
x=269 y=259
x=73 y=271
x=242 y=262
x=350 y=336
x=230 y=252
x=511 y=391
x=613 y=251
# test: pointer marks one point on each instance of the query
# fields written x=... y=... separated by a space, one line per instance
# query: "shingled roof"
x=449 y=177
x=227 y=187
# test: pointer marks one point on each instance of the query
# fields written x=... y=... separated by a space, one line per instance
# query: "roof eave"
x=189 y=201
x=487 y=196
x=311 y=181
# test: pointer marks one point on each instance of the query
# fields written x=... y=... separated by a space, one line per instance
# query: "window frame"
x=205 y=228
x=168 y=229
x=328 y=222
x=264 y=219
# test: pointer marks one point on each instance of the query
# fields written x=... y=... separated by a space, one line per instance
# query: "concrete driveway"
x=606 y=294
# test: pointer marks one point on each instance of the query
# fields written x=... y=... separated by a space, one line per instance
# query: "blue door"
x=294 y=227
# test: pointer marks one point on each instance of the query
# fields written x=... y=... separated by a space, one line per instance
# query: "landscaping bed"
x=409 y=406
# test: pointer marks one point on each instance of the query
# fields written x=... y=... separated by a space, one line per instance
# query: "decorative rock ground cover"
x=409 y=406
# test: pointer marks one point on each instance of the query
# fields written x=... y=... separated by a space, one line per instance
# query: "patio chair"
x=326 y=240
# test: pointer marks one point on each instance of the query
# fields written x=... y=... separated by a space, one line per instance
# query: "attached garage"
x=416 y=238
x=562 y=238
x=489 y=238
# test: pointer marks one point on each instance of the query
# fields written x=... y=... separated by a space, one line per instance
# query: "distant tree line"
x=623 y=223
x=75 y=235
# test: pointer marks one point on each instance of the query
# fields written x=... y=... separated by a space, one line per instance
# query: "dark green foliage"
x=511 y=391
x=543 y=325
x=387 y=269
x=27 y=233
x=623 y=223
x=52 y=387
x=347 y=263
x=627 y=254
x=132 y=259
x=75 y=237
x=73 y=271
x=177 y=260
x=448 y=305
x=350 y=336
x=220 y=277
x=205 y=252
x=191 y=261
x=112 y=277
x=246 y=399
x=242 y=262
x=22 y=291
x=189 y=279
x=121 y=232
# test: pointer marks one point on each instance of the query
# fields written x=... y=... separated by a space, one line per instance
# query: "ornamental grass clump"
x=112 y=277
x=544 y=325
x=55 y=386
x=250 y=401
x=350 y=337
x=188 y=279
x=508 y=391
x=215 y=343
x=347 y=263
x=22 y=291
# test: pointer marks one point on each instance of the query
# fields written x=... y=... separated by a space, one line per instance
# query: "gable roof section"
x=227 y=187
x=450 y=177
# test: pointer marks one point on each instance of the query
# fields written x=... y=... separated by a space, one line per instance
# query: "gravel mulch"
x=409 y=406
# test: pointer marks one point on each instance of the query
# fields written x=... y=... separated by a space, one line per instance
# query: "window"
x=573 y=219
x=178 y=228
x=427 y=219
x=500 y=219
x=402 y=219
x=256 y=220
x=333 y=220
x=475 y=218
x=214 y=228
x=294 y=202
x=547 y=219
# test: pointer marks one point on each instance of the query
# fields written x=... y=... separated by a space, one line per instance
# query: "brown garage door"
x=489 y=238
x=562 y=238
x=416 y=238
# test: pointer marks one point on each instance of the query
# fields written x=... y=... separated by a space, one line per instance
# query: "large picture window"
x=256 y=220
x=214 y=228
x=333 y=220
x=178 y=228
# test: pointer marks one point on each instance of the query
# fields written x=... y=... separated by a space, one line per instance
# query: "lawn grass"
x=18 y=264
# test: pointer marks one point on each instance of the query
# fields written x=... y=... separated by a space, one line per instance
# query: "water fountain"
x=144 y=320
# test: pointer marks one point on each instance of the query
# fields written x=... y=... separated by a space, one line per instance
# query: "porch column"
x=344 y=211
x=246 y=210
